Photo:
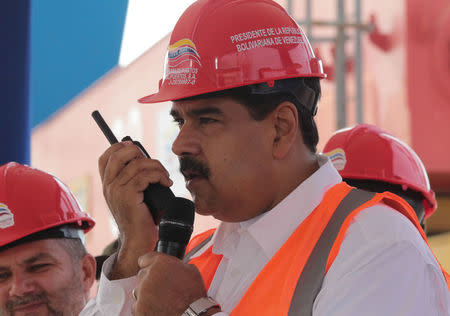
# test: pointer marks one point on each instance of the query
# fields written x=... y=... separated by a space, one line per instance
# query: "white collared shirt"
x=383 y=266
x=114 y=297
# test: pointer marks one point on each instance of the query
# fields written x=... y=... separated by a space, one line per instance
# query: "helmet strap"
x=304 y=94
x=64 y=231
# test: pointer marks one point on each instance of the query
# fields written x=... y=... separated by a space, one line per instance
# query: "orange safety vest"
x=295 y=273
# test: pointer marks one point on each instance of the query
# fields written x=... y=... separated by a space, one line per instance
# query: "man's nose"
x=21 y=285
x=186 y=143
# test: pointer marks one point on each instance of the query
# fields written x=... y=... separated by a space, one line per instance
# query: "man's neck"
x=292 y=174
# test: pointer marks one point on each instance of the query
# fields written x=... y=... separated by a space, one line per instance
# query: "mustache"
x=193 y=165
x=31 y=298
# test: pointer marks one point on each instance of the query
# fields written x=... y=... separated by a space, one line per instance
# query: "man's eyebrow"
x=198 y=112
x=174 y=113
x=33 y=259
x=205 y=110
x=37 y=257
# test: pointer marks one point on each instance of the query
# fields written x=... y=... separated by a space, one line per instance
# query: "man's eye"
x=179 y=122
x=38 y=267
x=4 y=276
x=207 y=120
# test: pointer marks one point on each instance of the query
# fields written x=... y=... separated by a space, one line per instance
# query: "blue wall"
x=73 y=43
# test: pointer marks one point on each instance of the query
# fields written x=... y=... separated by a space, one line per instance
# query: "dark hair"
x=74 y=247
x=261 y=105
x=67 y=233
x=414 y=198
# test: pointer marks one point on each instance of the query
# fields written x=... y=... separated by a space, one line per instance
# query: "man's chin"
x=203 y=211
x=210 y=211
x=203 y=208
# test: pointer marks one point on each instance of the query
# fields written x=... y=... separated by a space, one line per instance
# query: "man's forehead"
x=47 y=248
x=213 y=105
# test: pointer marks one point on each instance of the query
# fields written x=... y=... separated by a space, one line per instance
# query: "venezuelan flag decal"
x=337 y=157
x=183 y=51
x=6 y=216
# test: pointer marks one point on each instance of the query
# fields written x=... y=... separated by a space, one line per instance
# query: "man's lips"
x=191 y=179
x=189 y=175
x=29 y=307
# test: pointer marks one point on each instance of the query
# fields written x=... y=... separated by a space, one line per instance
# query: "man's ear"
x=285 y=120
x=88 y=266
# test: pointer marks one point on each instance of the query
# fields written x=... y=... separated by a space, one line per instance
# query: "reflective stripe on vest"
x=312 y=276
x=193 y=251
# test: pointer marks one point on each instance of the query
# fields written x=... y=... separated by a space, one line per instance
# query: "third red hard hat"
x=223 y=44
x=32 y=201
x=370 y=153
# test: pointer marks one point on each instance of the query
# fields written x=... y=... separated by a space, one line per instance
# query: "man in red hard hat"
x=293 y=239
x=44 y=266
x=395 y=167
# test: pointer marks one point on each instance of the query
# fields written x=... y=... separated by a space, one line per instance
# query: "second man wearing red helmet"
x=294 y=240
x=44 y=266
x=395 y=167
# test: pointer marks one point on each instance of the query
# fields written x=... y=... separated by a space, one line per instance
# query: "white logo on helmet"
x=6 y=216
x=182 y=61
x=337 y=157
x=270 y=36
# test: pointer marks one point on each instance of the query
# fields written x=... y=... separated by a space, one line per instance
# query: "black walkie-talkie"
x=156 y=197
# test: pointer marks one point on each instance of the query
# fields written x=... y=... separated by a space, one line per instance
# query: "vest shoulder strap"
x=311 y=278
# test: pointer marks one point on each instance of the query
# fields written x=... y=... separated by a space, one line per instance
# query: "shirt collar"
x=273 y=228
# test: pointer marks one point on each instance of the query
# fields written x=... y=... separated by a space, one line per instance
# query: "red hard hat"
x=32 y=201
x=367 y=152
x=223 y=44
